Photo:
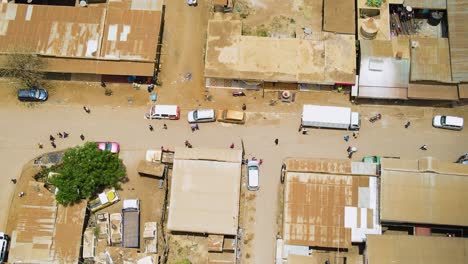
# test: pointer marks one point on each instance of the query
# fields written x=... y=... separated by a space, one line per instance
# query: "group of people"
x=52 y=139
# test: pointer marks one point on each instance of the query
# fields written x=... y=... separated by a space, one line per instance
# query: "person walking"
x=407 y=124
x=346 y=138
x=231 y=146
x=82 y=137
x=13 y=181
x=65 y=134
x=60 y=135
x=87 y=110
x=53 y=144
x=164 y=126
x=276 y=141
x=244 y=107
x=39 y=145
x=151 y=128
x=196 y=127
x=51 y=138
x=260 y=161
x=103 y=84
x=304 y=131
x=423 y=147
x=356 y=134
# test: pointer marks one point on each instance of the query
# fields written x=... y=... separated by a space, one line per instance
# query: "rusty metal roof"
x=326 y=204
x=125 y=32
x=44 y=232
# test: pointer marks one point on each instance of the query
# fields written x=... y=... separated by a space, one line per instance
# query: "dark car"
x=32 y=94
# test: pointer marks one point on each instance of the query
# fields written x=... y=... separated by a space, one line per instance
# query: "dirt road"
x=23 y=127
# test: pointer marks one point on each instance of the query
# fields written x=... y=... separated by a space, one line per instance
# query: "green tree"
x=85 y=171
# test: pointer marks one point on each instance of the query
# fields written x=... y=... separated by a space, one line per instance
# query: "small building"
x=234 y=60
x=424 y=191
x=329 y=203
x=45 y=232
x=401 y=249
x=205 y=189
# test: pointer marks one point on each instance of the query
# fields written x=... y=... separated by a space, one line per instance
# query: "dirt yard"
x=278 y=18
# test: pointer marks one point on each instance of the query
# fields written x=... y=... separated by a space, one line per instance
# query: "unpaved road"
x=23 y=127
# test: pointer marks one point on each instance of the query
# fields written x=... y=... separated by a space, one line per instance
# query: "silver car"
x=253 y=175
x=201 y=115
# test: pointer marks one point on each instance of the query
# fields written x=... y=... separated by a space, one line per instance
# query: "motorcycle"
x=375 y=118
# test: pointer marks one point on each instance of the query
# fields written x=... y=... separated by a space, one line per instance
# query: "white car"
x=448 y=122
x=192 y=2
x=201 y=115
x=3 y=246
x=253 y=175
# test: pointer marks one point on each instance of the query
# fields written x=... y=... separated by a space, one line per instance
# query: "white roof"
x=205 y=113
x=167 y=109
x=205 y=191
x=454 y=120
x=103 y=198
x=131 y=203
x=324 y=114
x=253 y=177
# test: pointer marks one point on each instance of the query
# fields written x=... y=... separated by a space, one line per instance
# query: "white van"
x=448 y=122
x=3 y=247
x=171 y=112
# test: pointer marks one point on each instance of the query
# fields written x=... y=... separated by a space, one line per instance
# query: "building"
x=424 y=191
x=205 y=189
x=418 y=67
x=327 y=204
x=44 y=232
x=234 y=60
x=382 y=249
x=119 y=38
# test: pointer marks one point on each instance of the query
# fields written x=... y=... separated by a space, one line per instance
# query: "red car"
x=113 y=147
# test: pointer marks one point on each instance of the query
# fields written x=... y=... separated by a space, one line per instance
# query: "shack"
x=151 y=169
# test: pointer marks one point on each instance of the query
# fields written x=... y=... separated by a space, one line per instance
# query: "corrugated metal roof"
x=430 y=4
x=51 y=30
x=318 y=165
x=424 y=191
x=403 y=249
x=430 y=60
x=457 y=11
x=314 y=208
x=130 y=35
x=45 y=232
x=126 y=32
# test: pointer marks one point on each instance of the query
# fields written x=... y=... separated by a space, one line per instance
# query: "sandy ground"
x=114 y=118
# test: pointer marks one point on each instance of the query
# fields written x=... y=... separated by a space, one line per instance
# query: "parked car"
x=113 y=147
x=171 y=112
x=448 y=122
x=253 y=175
x=32 y=94
x=231 y=116
x=201 y=115
x=192 y=2
x=463 y=159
